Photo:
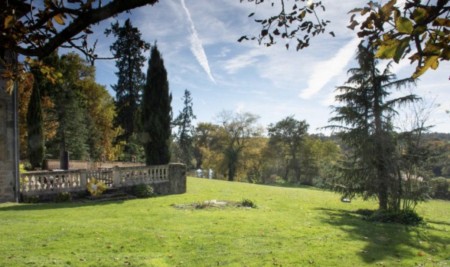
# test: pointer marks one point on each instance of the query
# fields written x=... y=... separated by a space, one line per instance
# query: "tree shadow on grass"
x=386 y=241
x=60 y=205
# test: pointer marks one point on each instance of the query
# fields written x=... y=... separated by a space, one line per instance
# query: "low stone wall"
x=165 y=179
x=53 y=164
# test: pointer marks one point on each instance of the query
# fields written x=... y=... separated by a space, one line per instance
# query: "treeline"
x=77 y=114
x=238 y=149
x=68 y=114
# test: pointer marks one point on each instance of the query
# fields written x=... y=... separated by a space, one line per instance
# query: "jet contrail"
x=196 y=45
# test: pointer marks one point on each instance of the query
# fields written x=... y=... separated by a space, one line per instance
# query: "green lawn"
x=290 y=227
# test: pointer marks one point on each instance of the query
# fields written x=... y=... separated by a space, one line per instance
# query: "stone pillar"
x=177 y=178
x=8 y=144
x=116 y=177
x=83 y=178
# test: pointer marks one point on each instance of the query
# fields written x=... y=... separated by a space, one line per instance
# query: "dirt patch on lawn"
x=216 y=204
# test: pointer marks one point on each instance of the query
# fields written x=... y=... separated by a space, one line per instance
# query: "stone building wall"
x=7 y=156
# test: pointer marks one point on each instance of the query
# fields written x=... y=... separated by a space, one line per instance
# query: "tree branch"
x=84 y=20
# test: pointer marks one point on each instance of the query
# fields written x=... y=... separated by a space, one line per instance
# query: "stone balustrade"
x=167 y=179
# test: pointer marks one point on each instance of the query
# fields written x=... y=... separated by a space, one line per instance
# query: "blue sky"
x=198 y=41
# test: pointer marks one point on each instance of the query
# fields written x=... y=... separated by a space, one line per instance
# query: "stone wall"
x=177 y=178
x=165 y=180
x=7 y=146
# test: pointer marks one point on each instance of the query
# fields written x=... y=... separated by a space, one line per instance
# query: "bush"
x=247 y=203
x=22 y=168
x=63 y=197
x=96 y=188
x=406 y=217
x=30 y=199
x=142 y=191
x=440 y=187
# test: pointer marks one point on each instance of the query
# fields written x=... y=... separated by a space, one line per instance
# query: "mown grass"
x=289 y=227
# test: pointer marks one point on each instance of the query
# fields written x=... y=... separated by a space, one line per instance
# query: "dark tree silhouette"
x=156 y=114
x=35 y=124
x=184 y=136
x=128 y=50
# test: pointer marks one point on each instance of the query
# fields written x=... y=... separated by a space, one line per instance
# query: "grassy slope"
x=290 y=227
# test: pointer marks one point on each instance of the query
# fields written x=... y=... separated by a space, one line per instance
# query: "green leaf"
x=387 y=49
x=404 y=25
x=419 y=14
x=403 y=44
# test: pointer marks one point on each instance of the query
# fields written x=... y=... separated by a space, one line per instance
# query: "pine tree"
x=184 y=136
x=128 y=50
x=156 y=113
x=371 y=169
x=35 y=124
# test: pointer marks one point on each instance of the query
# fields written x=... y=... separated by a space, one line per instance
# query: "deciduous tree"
x=239 y=129
x=414 y=30
x=288 y=134
x=417 y=30
x=37 y=29
x=100 y=117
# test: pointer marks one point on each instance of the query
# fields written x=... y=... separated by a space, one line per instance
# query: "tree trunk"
x=380 y=162
x=286 y=172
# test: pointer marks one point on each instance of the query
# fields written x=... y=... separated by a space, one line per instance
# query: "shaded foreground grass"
x=290 y=227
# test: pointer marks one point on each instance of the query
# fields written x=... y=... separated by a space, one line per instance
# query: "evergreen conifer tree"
x=128 y=50
x=156 y=112
x=35 y=124
x=184 y=136
x=371 y=169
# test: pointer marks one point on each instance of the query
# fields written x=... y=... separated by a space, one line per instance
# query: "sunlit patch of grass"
x=289 y=227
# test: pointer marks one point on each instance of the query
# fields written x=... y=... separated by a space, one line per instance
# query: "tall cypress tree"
x=156 y=114
x=35 y=124
x=128 y=50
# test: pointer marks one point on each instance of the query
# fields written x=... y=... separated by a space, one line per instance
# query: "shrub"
x=22 y=168
x=63 y=197
x=439 y=188
x=247 y=203
x=142 y=191
x=96 y=188
x=30 y=199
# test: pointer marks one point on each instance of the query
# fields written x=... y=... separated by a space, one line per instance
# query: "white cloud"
x=197 y=46
x=253 y=78
x=324 y=71
x=242 y=61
